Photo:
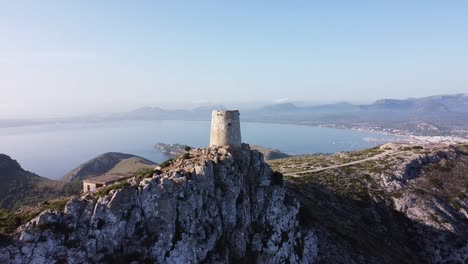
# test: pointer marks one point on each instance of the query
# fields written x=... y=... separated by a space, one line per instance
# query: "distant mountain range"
x=424 y=105
x=448 y=114
x=442 y=103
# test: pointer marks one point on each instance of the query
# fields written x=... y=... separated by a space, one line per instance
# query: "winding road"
x=376 y=157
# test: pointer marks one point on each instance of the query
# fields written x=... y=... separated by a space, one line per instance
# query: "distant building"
x=93 y=184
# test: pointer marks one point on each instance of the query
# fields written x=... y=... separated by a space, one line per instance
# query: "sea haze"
x=53 y=150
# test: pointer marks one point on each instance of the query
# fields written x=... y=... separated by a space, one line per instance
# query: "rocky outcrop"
x=175 y=150
x=410 y=167
x=7 y=163
x=407 y=206
x=214 y=206
x=435 y=199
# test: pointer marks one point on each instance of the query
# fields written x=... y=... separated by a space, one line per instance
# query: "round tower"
x=225 y=129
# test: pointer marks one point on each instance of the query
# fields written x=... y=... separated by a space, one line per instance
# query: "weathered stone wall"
x=225 y=129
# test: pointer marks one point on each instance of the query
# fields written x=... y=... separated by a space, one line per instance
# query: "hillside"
x=110 y=162
x=209 y=206
x=394 y=204
x=269 y=153
x=19 y=187
x=397 y=203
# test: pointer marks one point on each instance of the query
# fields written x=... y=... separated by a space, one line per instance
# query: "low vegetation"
x=166 y=163
x=10 y=220
x=353 y=204
x=143 y=173
x=319 y=161
x=116 y=186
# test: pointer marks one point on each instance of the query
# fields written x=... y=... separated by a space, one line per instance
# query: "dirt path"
x=376 y=157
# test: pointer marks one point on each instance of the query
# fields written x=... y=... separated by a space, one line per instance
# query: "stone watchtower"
x=225 y=129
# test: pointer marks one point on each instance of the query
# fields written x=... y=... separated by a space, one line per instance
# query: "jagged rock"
x=410 y=167
x=228 y=210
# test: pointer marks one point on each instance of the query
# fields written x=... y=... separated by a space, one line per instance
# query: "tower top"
x=225 y=129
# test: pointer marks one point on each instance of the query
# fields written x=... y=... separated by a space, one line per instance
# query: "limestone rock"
x=219 y=206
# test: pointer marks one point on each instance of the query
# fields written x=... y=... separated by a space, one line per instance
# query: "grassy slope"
x=111 y=162
x=131 y=165
x=9 y=220
x=355 y=214
x=20 y=187
x=23 y=187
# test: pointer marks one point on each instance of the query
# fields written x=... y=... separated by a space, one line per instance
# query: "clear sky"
x=72 y=57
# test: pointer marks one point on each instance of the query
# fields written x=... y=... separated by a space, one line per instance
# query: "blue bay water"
x=53 y=150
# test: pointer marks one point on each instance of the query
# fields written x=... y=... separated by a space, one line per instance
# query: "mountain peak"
x=281 y=107
x=110 y=162
x=7 y=163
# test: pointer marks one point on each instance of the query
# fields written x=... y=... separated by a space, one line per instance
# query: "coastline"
x=412 y=138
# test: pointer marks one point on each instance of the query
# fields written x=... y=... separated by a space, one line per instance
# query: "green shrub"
x=10 y=221
x=456 y=204
x=143 y=173
x=419 y=191
x=116 y=186
x=434 y=218
x=187 y=148
x=348 y=169
x=185 y=156
x=166 y=163
x=436 y=183
x=56 y=205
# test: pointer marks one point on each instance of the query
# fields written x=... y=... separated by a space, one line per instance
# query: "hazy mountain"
x=449 y=112
x=208 y=108
x=338 y=107
x=424 y=105
x=19 y=186
x=111 y=162
x=280 y=107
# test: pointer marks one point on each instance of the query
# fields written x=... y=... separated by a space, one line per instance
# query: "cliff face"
x=214 y=206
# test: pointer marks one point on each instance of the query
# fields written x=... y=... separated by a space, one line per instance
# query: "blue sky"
x=73 y=57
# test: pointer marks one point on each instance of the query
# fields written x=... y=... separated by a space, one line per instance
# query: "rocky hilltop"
x=174 y=150
x=211 y=205
x=398 y=203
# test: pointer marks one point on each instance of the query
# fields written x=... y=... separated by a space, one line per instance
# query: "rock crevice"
x=216 y=206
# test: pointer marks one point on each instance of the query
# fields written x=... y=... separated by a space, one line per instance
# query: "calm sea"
x=53 y=150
